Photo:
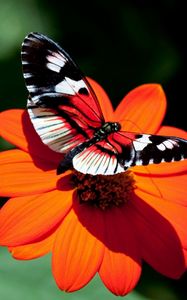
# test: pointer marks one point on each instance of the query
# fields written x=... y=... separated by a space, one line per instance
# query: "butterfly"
x=67 y=116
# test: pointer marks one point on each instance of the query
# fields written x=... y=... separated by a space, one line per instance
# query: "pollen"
x=103 y=191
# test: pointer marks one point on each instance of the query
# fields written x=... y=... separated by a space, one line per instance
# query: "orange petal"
x=103 y=99
x=16 y=127
x=160 y=228
x=22 y=175
x=77 y=252
x=174 y=213
x=121 y=265
x=11 y=127
x=171 y=188
x=143 y=109
x=163 y=169
x=33 y=250
x=25 y=220
x=172 y=131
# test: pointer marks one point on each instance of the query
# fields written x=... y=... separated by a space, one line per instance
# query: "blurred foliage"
x=15 y=22
x=121 y=44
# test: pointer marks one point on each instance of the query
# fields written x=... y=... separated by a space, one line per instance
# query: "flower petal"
x=143 y=109
x=21 y=174
x=25 y=220
x=160 y=229
x=11 y=127
x=121 y=265
x=103 y=99
x=171 y=188
x=163 y=169
x=172 y=131
x=77 y=252
x=16 y=127
x=34 y=250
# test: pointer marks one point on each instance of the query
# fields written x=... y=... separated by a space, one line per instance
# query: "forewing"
x=62 y=106
x=123 y=150
x=56 y=129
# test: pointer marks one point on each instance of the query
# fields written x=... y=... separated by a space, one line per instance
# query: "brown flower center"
x=104 y=191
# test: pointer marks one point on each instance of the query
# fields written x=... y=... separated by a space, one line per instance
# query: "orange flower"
x=136 y=215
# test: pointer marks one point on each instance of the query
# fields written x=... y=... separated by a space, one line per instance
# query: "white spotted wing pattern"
x=66 y=114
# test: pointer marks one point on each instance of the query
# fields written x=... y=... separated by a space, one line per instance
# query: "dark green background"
x=121 y=44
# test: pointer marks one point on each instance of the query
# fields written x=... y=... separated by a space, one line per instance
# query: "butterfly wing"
x=145 y=149
x=65 y=113
x=122 y=150
x=100 y=158
x=62 y=105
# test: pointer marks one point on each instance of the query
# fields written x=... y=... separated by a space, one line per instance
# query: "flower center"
x=104 y=191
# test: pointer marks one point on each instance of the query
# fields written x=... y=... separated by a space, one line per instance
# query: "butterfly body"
x=67 y=116
x=107 y=128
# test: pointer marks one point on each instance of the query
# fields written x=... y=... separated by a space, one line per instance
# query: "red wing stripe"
x=54 y=131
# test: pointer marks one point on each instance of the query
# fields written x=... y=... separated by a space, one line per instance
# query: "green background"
x=121 y=44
